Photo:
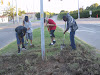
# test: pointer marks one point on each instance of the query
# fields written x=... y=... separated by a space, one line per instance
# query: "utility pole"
x=42 y=30
x=13 y=12
x=78 y=11
x=16 y=12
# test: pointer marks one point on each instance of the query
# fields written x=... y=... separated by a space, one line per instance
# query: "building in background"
x=31 y=15
x=3 y=19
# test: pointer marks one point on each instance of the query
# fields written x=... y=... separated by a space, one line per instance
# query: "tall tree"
x=93 y=6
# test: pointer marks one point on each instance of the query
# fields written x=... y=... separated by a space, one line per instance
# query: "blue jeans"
x=18 y=40
x=72 y=33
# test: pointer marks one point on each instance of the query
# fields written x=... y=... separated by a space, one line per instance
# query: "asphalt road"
x=7 y=33
x=90 y=33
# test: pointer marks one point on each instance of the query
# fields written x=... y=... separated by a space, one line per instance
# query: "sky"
x=52 y=6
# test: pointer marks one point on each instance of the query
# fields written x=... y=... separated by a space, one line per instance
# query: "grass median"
x=59 y=36
x=83 y=61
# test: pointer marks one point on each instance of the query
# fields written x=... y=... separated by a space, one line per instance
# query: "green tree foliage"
x=84 y=13
x=61 y=14
x=20 y=12
x=37 y=15
x=98 y=7
x=10 y=11
x=93 y=6
x=46 y=14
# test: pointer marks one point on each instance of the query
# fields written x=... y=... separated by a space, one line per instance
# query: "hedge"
x=83 y=14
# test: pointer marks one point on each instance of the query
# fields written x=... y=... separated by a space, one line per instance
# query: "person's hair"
x=64 y=18
x=26 y=18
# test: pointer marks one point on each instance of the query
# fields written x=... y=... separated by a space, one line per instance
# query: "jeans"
x=72 y=33
x=18 y=40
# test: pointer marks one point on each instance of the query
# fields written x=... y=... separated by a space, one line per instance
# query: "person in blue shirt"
x=20 y=33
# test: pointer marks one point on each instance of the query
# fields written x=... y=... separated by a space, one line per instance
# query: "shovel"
x=62 y=46
x=26 y=44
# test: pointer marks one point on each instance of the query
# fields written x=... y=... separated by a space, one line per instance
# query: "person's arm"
x=51 y=25
x=23 y=23
x=67 y=28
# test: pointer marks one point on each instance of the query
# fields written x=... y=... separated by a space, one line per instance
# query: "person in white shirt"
x=28 y=25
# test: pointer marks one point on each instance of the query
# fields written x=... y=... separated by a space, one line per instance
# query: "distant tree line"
x=46 y=14
x=10 y=10
x=84 y=13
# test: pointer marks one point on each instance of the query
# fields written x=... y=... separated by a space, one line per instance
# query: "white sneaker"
x=23 y=48
x=30 y=44
x=27 y=42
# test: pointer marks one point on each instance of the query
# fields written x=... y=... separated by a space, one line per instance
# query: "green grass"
x=50 y=50
x=34 y=20
x=12 y=47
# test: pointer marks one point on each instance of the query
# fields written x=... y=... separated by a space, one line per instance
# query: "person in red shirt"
x=51 y=25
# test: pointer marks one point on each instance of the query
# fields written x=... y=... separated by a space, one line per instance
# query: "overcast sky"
x=52 y=6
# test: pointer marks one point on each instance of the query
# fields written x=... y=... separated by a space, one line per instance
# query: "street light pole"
x=13 y=12
x=16 y=12
x=78 y=11
x=42 y=30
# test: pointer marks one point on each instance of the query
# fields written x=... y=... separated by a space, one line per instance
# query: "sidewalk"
x=88 y=21
x=82 y=21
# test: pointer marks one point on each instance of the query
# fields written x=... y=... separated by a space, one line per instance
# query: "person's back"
x=50 y=21
x=71 y=22
x=20 y=29
x=20 y=32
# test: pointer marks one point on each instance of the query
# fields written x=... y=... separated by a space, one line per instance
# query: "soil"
x=67 y=62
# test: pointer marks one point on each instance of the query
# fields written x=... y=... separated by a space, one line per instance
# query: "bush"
x=74 y=15
x=95 y=12
x=60 y=15
x=38 y=15
x=84 y=14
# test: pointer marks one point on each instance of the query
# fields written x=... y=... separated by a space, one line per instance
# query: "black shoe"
x=51 y=44
x=18 y=50
x=54 y=42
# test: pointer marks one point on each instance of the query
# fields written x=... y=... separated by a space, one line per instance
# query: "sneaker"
x=23 y=48
x=27 y=42
x=51 y=44
x=54 y=42
x=30 y=44
x=18 y=50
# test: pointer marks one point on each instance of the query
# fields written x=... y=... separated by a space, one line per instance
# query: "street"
x=90 y=33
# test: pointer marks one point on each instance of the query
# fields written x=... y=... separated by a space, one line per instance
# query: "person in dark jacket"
x=71 y=24
x=20 y=33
